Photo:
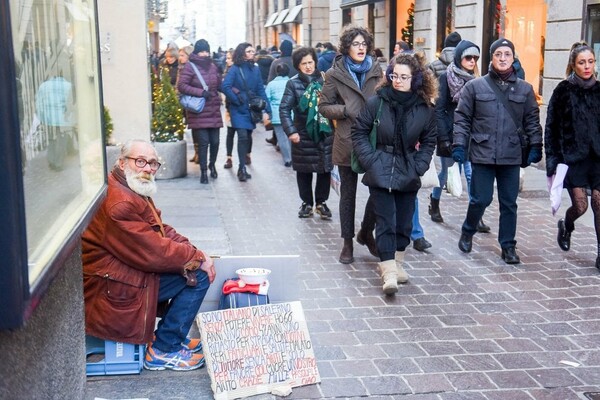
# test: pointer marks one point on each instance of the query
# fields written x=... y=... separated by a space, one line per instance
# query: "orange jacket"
x=125 y=248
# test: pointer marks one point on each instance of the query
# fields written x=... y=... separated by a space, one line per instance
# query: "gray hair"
x=126 y=149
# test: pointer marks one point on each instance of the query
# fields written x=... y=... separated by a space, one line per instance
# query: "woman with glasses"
x=242 y=82
x=349 y=82
x=572 y=137
x=405 y=116
x=460 y=71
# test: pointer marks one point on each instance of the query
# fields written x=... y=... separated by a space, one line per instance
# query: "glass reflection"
x=59 y=111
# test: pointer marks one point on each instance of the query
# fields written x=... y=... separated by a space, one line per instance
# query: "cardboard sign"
x=255 y=350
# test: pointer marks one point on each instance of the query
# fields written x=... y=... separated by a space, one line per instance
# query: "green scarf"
x=317 y=126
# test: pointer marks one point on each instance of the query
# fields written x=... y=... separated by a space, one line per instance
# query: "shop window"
x=445 y=23
x=524 y=23
x=59 y=125
x=593 y=30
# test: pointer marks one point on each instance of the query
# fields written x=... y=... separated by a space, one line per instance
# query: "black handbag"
x=354 y=163
x=523 y=138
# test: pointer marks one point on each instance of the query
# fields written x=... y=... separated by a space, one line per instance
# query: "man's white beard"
x=142 y=183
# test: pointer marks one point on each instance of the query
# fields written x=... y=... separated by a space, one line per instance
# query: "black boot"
x=434 y=210
x=213 y=170
x=564 y=236
x=203 y=176
x=243 y=176
x=347 y=254
x=365 y=237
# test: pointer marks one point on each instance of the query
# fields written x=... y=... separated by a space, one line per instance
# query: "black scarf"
x=400 y=102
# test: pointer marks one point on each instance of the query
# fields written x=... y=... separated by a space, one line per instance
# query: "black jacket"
x=307 y=156
x=386 y=166
x=572 y=125
x=444 y=115
x=482 y=125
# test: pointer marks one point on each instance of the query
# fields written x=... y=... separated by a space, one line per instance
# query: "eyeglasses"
x=471 y=58
x=141 y=163
x=359 y=44
x=506 y=54
x=399 y=78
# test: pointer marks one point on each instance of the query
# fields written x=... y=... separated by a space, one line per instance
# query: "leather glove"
x=445 y=147
x=206 y=95
x=458 y=154
x=535 y=155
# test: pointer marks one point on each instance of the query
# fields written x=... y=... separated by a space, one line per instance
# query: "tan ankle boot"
x=402 y=275
x=388 y=272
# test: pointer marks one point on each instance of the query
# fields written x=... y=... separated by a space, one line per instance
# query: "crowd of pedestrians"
x=347 y=107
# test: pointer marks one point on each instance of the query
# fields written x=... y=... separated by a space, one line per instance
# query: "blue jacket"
x=326 y=60
x=53 y=102
x=236 y=90
x=274 y=91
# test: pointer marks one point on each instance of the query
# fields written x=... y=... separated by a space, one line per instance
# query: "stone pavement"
x=466 y=326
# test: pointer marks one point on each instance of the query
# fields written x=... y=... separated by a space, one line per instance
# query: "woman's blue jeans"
x=184 y=304
x=446 y=163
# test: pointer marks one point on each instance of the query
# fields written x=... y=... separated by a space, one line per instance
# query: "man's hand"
x=458 y=154
x=208 y=266
x=535 y=155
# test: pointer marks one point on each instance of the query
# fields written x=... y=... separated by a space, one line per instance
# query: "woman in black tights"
x=572 y=137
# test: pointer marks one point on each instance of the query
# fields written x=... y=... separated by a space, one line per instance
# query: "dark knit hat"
x=201 y=45
x=452 y=39
x=465 y=48
x=500 y=43
x=286 y=48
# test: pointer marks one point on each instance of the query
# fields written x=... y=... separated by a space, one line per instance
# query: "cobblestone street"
x=466 y=326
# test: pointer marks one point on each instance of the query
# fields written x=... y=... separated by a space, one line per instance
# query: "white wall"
x=125 y=67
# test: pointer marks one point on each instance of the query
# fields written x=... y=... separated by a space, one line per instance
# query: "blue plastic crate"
x=118 y=358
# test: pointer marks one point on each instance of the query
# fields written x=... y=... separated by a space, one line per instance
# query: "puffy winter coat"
x=342 y=100
x=485 y=127
x=237 y=89
x=386 y=166
x=123 y=254
x=438 y=66
x=188 y=83
x=264 y=64
x=572 y=125
x=274 y=91
x=307 y=156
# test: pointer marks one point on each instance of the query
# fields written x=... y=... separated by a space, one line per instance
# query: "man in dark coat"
x=484 y=127
x=132 y=261
x=439 y=65
x=264 y=61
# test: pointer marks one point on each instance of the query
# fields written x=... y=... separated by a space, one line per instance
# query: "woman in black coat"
x=309 y=154
x=406 y=138
x=572 y=137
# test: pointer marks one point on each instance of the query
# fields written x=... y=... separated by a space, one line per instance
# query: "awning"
x=356 y=3
x=281 y=17
x=271 y=20
x=293 y=14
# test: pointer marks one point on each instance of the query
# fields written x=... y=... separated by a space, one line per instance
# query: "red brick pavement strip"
x=466 y=326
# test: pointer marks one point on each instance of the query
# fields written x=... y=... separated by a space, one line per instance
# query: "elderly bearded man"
x=132 y=262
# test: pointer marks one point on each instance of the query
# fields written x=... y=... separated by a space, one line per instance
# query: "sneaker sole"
x=163 y=367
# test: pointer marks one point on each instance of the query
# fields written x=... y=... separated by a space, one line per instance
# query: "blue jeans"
x=447 y=162
x=417 y=229
x=184 y=305
x=482 y=191
x=283 y=142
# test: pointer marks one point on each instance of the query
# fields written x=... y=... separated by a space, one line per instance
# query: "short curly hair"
x=302 y=52
x=348 y=35
x=423 y=81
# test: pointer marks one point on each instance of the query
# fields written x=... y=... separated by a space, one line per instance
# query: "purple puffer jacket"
x=189 y=83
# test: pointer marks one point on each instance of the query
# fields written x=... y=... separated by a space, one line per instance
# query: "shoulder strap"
x=373 y=134
x=502 y=97
x=199 y=75
x=243 y=77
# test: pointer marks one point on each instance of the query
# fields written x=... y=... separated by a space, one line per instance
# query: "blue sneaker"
x=193 y=345
x=182 y=360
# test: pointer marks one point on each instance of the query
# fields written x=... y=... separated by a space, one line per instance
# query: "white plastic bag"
x=555 y=186
x=335 y=179
x=430 y=177
x=454 y=183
